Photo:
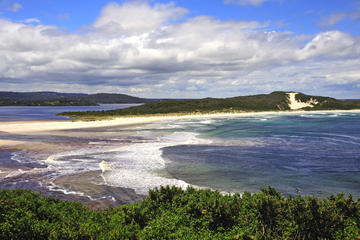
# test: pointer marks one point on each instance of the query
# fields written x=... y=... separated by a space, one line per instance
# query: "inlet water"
x=308 y=154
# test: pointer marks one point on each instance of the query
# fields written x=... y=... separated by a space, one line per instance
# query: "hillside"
x=63 y=99
x=113 y=98
x=275 y=101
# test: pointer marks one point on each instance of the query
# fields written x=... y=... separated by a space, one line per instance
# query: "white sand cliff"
x=295 y=105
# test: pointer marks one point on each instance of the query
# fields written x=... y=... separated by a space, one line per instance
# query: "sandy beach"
x=9 y=142
x=39 y=126
x=29 y=147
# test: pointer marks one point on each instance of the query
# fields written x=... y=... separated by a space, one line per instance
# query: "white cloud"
x=32 y=20
x=15 y=7
x=246 y=2
x=204 y=55
x=136 y=17
x=330 y=44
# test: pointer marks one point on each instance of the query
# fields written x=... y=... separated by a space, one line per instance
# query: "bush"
x=173 y=213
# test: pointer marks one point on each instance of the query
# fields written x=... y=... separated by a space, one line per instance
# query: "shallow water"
x=307 y=154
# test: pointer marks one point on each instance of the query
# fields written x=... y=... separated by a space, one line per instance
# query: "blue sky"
x=302 y=17
x=181 y=48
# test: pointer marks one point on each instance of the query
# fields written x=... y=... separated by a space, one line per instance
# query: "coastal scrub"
x=173 y=213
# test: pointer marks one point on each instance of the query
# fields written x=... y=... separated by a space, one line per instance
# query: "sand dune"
x=295 y=105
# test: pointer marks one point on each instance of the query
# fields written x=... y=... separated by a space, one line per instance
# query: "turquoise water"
x=309 y=154
x=298 y=154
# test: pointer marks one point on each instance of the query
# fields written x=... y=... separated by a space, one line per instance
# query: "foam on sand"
x=138 y=166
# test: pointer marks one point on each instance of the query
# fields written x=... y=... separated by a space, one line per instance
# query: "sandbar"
x=53 y=125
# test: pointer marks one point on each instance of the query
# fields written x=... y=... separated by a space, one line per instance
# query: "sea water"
x=303 y=154
x=298 y=154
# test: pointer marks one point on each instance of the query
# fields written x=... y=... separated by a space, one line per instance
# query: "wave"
x=139 y=165
x=136 y=165
x=328 y=115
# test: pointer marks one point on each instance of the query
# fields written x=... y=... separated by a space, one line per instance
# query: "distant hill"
x=64 y=99
x=114 y=98
x=275 y=101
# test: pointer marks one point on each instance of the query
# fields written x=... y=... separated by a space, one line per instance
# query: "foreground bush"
x=173 y=213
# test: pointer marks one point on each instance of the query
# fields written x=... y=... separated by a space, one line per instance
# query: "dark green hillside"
x=328 y=103
x=276 y=101
x=63 y=99
x=265 y=102
x=114 y=98
x=172 y=213
x=42 y=99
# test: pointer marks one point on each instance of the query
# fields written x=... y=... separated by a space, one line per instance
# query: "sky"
x=181 y=48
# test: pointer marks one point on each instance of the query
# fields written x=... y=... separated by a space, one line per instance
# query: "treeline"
x=64 y=99
x=276 y=101
x=328 y=103
x=173 y=213
x=263 y=102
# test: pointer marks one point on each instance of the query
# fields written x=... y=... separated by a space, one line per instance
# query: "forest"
x=275 y=101
x=64 y=99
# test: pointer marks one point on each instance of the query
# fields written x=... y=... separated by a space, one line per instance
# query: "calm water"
x=315 y=154
x=25 y=113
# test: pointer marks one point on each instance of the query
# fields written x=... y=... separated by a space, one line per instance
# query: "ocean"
x=305 y=154
x=298 y=154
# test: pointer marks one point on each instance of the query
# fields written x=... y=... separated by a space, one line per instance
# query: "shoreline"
x=54 y=125
x=125 y=193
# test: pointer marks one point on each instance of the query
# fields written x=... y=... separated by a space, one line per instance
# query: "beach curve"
x=54 y=125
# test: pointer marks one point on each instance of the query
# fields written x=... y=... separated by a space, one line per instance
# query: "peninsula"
x=275 y=101
x=64 y=99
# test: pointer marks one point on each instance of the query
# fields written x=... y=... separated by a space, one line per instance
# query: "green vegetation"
x=263 y=102
x=63 y=99
x=328 y=103
x=276 y=101
x=173 y=213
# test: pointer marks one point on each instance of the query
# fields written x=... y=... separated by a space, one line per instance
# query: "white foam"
x=104 y=166
x=207 y=121
x=18 y=172
x=77 y=161
x=138 y=165
x=97 y=143
x=14 y=173
x=55 y=188
x=21 y=157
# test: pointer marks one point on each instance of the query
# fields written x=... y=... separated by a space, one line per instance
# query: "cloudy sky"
x=182 y=48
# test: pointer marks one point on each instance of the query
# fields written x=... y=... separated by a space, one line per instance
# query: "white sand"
x=295 y=105
x=9 y=142
x=39 y=126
